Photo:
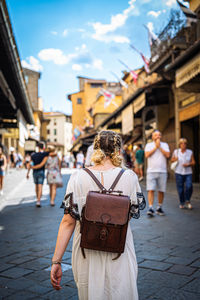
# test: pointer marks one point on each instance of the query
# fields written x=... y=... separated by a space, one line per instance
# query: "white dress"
x=97 y=276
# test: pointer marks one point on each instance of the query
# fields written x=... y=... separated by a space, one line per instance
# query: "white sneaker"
x=1 y=192
x=188 y=205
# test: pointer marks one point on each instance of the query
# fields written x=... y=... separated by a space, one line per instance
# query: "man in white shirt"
x=156 y=153
x=80 y=160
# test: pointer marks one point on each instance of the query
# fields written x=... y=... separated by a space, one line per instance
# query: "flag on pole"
x=190 y=15
x=108 y=96
x=153 y=38
x=133 y=73
x=122 y=82
x=146 y=61
x=76 y=132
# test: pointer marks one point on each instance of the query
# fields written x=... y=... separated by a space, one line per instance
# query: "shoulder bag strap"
x=116 y=180
x=102 y=188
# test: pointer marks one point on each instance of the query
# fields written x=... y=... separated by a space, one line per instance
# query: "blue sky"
x=64 y=39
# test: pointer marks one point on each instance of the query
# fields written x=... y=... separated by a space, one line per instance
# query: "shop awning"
x=139 y=103
x=188 y=71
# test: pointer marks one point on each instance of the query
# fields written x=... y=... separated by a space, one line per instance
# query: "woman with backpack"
x=100 y=274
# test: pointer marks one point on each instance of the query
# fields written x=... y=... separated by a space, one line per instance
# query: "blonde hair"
x=182 y=140
x=51 y=148
x=107 y=143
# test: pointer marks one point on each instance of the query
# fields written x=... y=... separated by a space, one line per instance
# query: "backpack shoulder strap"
x=116 y=180
x=102 y=188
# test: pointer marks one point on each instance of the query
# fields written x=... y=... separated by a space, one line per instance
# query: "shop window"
x=96 y=85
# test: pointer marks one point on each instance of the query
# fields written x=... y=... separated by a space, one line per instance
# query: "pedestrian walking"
x=12 y=157
x=71 y=161
x=139 y=162
x=80 y=160
x=88 y=157
x=97 y=275
x=27 y=160
x=127 y=157
x=3 y=164
x=54 y=177
x=183 y=173
x=19 y=160
x=39 y=173
x=156 y=153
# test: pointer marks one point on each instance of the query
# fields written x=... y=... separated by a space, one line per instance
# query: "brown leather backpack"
x=104 y=219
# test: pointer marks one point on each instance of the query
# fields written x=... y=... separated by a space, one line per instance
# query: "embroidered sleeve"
x=70 y=207
x=135 y=208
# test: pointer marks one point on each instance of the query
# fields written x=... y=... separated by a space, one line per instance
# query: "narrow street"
x=167 y=248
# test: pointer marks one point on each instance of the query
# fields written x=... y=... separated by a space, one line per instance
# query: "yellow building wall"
x=99 y=105
x=11 y=138
x=37 y=120
x=90 y=98
x=44 y=130
x=80 y=115
x=194 y=4
x=78 y=110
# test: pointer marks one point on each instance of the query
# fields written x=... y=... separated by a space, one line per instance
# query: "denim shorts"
x=38 y=176
x=156 y=181
x=2 y=173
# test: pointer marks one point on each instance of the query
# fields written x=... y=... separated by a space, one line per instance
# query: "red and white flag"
x=108 y=96
x=146 y=61
x=134 y=75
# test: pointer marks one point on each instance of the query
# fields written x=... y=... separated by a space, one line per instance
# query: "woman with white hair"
x=183 y=173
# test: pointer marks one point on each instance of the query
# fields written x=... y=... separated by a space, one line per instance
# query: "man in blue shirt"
x=38 y=174
x=139 y=157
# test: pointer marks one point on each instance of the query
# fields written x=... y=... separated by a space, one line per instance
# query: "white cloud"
x=104 y=32
x=55 y=55
x=76 y=67
x=170 y=2
x=97 y=64
x=32 y=63
x=65 y=32
x=54 y=33
x=81 y=30
x=79 y=59
x=150 y=26
x=154 y=13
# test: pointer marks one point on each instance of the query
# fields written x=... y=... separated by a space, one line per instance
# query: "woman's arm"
x=191 y=163
x=66 y=229
x=174 y=156
x=41 y=164
x=59 y=163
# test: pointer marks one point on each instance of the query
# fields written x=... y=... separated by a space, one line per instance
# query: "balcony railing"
x=177 y=35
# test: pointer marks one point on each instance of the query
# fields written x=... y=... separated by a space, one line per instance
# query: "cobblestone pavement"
x=167 y=248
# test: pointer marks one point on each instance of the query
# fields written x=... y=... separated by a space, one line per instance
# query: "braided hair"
x=107 y=143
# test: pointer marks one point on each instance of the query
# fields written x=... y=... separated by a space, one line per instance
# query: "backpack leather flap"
x=99 y=208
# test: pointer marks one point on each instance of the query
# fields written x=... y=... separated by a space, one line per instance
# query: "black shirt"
x=37 y=158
